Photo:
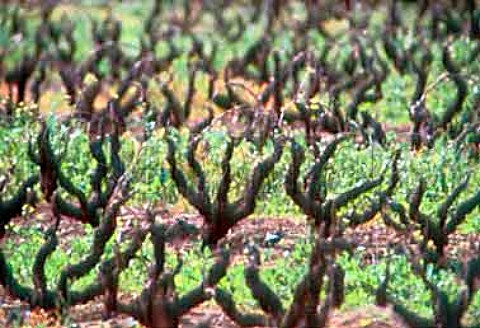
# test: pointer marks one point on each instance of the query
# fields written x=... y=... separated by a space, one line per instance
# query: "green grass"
x=282 y=274
x=442 y=167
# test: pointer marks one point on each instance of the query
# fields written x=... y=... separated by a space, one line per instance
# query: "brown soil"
x=90 y=316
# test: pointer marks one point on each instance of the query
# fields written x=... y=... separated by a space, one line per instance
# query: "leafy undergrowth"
x=283 y=265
